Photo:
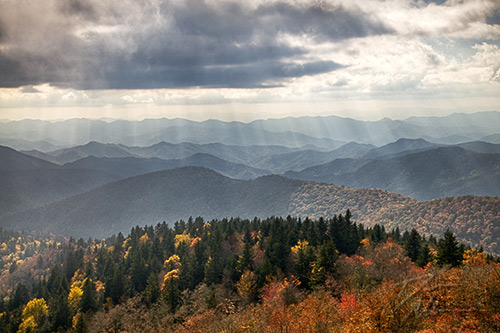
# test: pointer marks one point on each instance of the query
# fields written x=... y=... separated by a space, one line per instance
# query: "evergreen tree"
x=172 y=293
x=81 y=324
x=88 y=301
x=60 y=314
x=449 y=250
x=424 y=256
x=412 y=245
x=138 y=272
x=303 y=266
x=21 y=296
x=152 y=291
x=325 y=264
x=246 y=258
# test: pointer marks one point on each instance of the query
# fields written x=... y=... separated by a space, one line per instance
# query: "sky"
x=246 y=60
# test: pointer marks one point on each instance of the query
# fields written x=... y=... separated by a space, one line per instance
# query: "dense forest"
x=275 y=274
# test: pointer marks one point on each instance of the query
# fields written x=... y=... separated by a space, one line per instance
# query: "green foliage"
x=449 y=250
x=222 y=266
x=412 y=245
x=88 y=301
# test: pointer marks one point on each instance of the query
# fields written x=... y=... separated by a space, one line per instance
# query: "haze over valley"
x=96 y=189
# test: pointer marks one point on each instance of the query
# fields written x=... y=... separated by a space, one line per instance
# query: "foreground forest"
x=274 y=274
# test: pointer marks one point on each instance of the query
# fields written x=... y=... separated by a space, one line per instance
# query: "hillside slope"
x=178 y=193
x=131 y=166
x=435 y=173
x=27 y=182
x=165 y=195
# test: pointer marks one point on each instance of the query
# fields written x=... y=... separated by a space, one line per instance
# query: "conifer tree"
x=60 y=314
x=88 y=301
x=412 y=245
x=424 y=256
x=449 y=250
x=152 y=291
x=303 y=266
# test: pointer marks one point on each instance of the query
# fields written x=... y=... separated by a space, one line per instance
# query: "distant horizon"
x=255 y=118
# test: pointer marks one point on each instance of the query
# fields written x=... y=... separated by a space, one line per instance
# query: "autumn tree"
x=34 y=315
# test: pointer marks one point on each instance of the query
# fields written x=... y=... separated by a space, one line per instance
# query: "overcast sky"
x=249 y=59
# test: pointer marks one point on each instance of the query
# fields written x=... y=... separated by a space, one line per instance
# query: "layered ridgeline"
x=175 y=194
x=27 y=182
x=328 y=132
x=411 y=167
x=434 y=173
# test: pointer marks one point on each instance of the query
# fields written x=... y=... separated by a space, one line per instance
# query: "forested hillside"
x=269 y=275
x=169 y=195
x=423 y=175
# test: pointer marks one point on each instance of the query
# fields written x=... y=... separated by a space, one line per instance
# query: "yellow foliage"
x=144 y=239
x=34 y=313
x=75 y=295
x=27 y=325
x=99 y=286
x=247 y=286
x=365 y=243
x=475 y=258
x=301 y=245
x=172 y=275
x=184 y=238
x=174 y=262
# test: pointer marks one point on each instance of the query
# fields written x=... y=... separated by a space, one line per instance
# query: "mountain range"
x=175 y=194
x=311 y=166
x=326 y=132
x=411 y=167
x=430 y=174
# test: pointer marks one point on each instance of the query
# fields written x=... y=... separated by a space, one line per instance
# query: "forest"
x=262 y=275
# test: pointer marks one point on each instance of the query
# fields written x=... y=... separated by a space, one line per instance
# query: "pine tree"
x=424 y=256
x=325 y=264
x=449 y=250
x=88 y=301
x=412 y=245
x=81 y=324
x=60 y=314
x=152 y=291
x=303 y=266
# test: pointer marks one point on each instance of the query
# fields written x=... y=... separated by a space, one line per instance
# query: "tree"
x=412 y=245
x=170 y=286
x=247 y=287
x=60 y=314
x=34 y=315
x=325 y=263
x=21 y=296
x=152 y=291
x=424 y=256
x=449 y=250
x=303 y=266
x=88 y=301
x=81 y=323
x=246 y=258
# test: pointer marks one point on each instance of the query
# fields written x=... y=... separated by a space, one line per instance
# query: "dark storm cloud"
x=94 y=45
x=78 y=8
x=494 y=17
x=323 y=22
x=244 y=76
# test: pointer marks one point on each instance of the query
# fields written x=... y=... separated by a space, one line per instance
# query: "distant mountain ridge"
x=177 y=193
x=130 y=166
x=351 y=165
x=328 y=132
x=27 y=182
x=433 y=173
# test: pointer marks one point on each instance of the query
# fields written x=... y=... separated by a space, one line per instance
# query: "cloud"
x=171 y=44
